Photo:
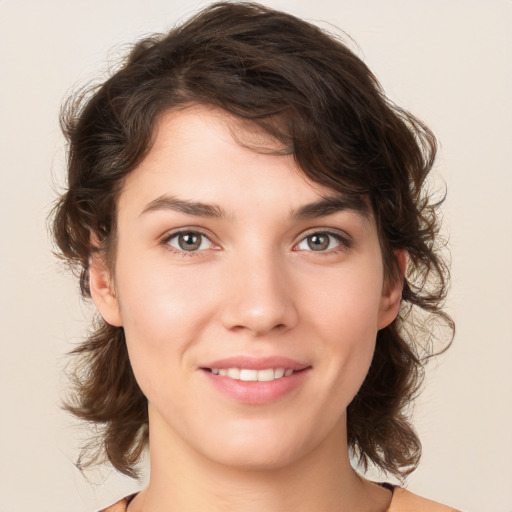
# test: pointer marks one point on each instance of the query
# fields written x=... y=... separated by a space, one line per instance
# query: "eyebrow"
x=323 y=207
x=184 y=206
x=329 y=205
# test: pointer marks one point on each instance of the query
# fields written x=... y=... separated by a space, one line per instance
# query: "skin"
x=253 y=287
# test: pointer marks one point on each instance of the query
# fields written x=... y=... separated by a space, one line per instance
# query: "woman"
x=247 y=211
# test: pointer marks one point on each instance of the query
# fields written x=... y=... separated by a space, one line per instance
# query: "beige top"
x=405 y=501
x=402 y=501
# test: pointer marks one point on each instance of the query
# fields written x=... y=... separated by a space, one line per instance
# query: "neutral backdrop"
x=447 y=61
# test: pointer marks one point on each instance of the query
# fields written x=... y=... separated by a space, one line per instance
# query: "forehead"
x=205 y=154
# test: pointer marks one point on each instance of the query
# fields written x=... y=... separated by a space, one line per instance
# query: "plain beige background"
x=447 y=61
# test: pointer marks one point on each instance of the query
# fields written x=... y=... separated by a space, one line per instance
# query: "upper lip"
x=257 y=363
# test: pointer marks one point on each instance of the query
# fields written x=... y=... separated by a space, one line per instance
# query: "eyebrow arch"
x=166 y=202
x=330 y=205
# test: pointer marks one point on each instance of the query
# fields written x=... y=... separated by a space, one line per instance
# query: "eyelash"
x=166 y=241
x=343 y=241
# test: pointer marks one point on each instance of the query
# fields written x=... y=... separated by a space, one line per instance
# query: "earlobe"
x=103 y=292
x=392 y=293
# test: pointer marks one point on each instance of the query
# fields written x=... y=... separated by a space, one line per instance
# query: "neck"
x=322 y=480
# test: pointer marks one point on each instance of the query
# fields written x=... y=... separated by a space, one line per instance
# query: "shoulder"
x=406 y=501
x=120 y=506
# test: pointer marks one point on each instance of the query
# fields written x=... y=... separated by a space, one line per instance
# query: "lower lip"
x=257 y=393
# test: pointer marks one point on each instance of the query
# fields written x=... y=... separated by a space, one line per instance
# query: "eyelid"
x=343 y=237
x=188 y=229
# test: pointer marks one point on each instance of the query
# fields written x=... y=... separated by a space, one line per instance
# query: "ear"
x=392 y=292
x=103 y=291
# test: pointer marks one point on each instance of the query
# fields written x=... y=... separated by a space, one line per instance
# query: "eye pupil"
x=318 y=242
x=189 y=241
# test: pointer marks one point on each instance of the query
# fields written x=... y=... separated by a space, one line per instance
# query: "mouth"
x=256 y=380
x=253 y=375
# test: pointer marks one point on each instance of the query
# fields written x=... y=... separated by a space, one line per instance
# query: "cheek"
x=161 y=301
x=162 y=316
x=345 y=314
x=167 y=313
x=346 y=303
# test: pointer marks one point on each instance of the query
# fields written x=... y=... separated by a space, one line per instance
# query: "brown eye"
x=322 y=241
x=189 y=241
x=318 y=241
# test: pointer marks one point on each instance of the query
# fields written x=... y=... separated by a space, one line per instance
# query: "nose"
x=260 y=300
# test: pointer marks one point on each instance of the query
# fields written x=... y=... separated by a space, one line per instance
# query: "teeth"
x=279 y=372
x=248 y=375
x=266 y=375
x=234 y=373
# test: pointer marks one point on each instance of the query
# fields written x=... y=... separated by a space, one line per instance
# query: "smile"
x=256 y=380
x=252 y=375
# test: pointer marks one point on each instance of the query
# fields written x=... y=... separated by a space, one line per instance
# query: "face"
x=250 y=305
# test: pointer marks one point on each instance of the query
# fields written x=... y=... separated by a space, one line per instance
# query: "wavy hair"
x=307 y=89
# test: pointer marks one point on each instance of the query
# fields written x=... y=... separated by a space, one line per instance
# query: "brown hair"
x=309 y=91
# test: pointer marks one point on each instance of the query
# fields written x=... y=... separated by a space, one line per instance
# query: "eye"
x=322 y=241
x=189 y=241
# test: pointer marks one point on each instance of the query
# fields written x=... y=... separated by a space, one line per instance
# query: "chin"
x=258 y=449
x=254 y=459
